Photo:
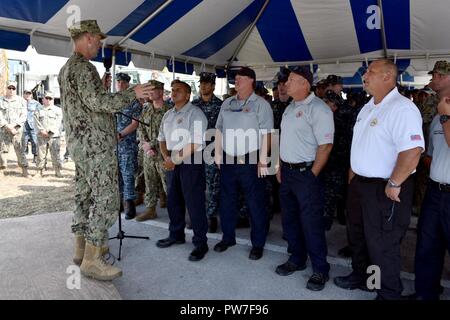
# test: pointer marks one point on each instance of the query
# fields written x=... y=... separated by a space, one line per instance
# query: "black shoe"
x=167 y=242
x=198 y=253
x=222 y=246
x=256 y=253
x=317 y=281
x=288 y=268
x=353 y=281
x=243 y=222
x=212 y=228
x=130 y=210
x=345 y=252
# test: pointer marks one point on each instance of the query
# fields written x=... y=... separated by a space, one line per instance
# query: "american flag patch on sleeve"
x=416 y=137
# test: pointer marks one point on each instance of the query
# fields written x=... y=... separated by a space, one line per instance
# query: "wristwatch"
x=392 y=184
x=444 y=118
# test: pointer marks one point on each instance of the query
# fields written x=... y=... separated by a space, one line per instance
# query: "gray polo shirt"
x=305 y=125
x=243 y=122
x=179 y=128
x=440 y=152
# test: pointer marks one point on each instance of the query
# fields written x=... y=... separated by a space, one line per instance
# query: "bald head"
x=389 y=68
x=380 y=78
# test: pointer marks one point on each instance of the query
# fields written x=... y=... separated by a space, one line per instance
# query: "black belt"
x=444 y=187
x=370 y=180
x=296 y=166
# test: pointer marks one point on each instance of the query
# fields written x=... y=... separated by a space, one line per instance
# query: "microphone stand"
x=121 y=234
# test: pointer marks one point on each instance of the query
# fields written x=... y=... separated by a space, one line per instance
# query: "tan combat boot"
x=95 y=267
x=80 y=243
x=139 y=199
x=25 y=172
x=162 y=200
x=58 y=173
x=150 y=213
x=39 y=174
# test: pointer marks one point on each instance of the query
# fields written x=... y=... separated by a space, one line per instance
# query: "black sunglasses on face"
x=11 y=88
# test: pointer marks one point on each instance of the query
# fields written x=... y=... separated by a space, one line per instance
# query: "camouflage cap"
x=49 y=94
x=157 y=84
x=89 y=26
x=11 y=83
x=442 y=67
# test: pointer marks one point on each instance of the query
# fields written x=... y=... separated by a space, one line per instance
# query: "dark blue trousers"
x=433 y=238
x=186 y=189
x=302 y=203
x=233 y=178
x=29 y=135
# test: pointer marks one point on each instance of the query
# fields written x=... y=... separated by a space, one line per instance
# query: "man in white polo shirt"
x=181 y=139
x=386 y=148
x=433 y=229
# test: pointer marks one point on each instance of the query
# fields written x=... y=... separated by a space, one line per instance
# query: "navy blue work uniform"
x=433 y=229
x=211 y=109
x=128 y=150
x=30 y=129
x=186 y=183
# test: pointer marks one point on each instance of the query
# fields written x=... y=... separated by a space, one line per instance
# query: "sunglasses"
x=11 y=88
x=48 y=98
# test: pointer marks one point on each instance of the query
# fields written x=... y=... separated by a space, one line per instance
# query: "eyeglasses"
x=48 y=98
x=11 y=88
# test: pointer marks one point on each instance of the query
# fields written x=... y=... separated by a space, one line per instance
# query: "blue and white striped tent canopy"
x=332 y=36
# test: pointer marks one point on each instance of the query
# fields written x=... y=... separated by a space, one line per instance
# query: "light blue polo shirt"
x=440 y=152
x=305 y=126
x=243 y=122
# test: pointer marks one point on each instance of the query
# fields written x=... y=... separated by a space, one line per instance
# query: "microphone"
x=107 y=63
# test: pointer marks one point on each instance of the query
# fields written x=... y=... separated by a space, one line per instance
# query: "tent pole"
x=247 y=34
x=143 y=23
x=113 y=75
x=383 y=30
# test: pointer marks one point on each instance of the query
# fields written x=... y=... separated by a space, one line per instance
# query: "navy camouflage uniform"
x=336 y=170
x=128 y=151
x=211 y=110
x=273 y=186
